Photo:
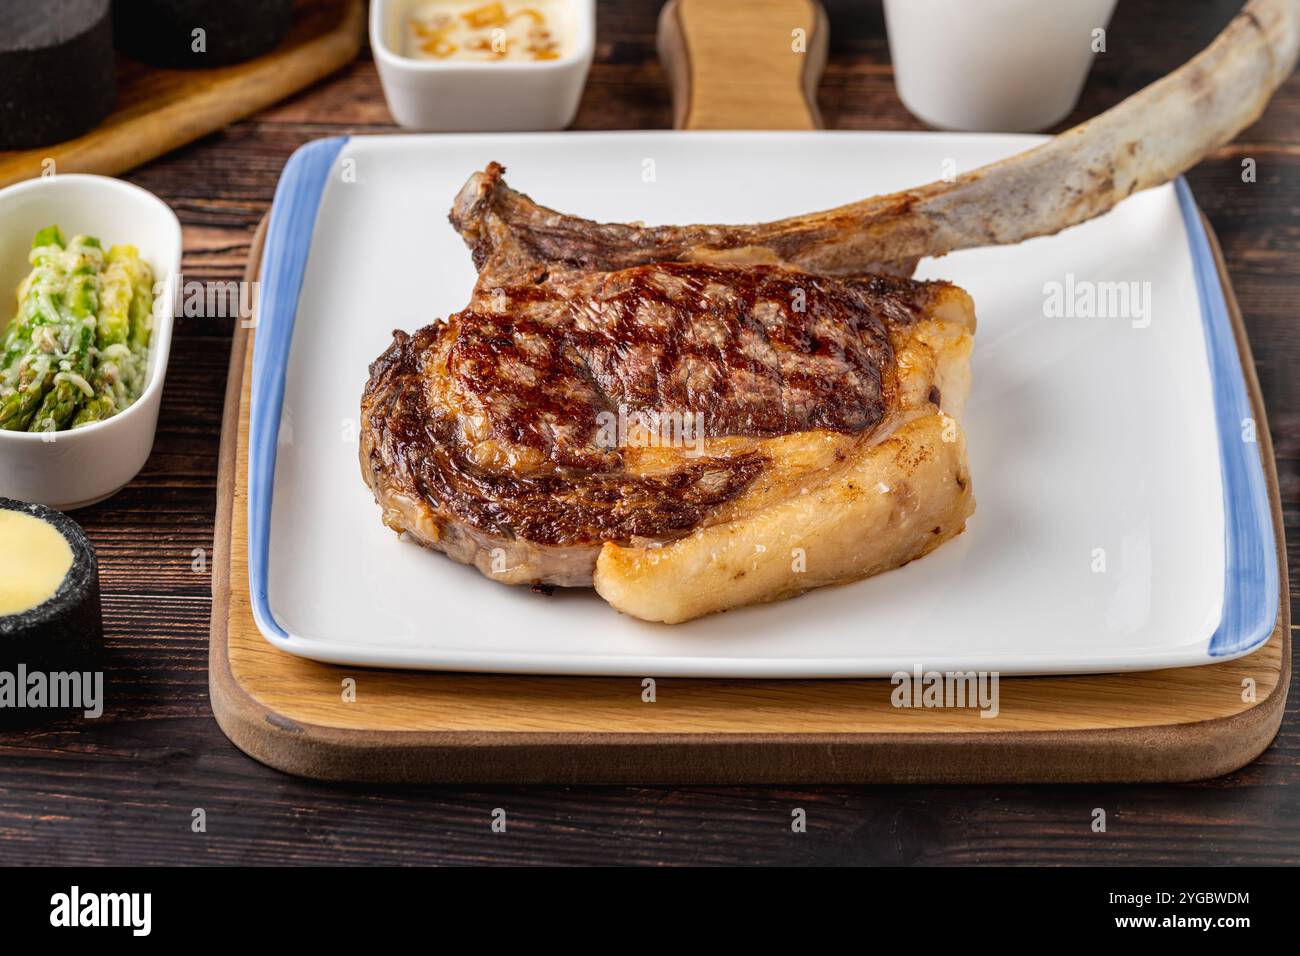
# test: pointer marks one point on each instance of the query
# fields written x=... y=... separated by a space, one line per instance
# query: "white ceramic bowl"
x=466 y=96
x=70 y=469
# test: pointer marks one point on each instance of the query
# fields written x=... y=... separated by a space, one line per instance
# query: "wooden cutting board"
x=159 y=110
x=404 y=726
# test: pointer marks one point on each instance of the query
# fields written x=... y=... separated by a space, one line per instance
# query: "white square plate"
x=1102 y=450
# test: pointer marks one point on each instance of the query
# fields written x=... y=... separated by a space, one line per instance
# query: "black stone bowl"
x=64 y=634
x=56 y=60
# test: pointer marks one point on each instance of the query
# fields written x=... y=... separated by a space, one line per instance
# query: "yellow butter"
x=34 y=560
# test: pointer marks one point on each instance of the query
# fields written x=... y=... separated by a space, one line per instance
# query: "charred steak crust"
x=758 y=351
x=421 y=448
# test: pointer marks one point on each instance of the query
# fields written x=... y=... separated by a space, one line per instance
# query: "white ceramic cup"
x=1012 y=66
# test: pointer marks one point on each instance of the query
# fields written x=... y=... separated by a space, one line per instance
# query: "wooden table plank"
x=122 y=790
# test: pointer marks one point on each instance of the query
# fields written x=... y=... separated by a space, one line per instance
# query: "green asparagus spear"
x=36 y=334
x=20 y=405
x=94 y=410
x=70 y=386
x=141 y=305
x=77 y=337
x=116 y=288
x=49 y=236
x=77 y=351
x=125 y=321
x=36 y=303
x=141 y=326
x=112 y=331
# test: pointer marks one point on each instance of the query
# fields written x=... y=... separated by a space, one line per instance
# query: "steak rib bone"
x=1142 y=142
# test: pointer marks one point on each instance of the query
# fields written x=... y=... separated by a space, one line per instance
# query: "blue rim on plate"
x=288 y=240
x=1250 y=602
x=1250 y=589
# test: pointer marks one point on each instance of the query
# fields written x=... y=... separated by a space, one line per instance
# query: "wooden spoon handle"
x=744 y=64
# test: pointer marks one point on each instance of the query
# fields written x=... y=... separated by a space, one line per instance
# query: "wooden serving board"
x=159 y=110
x=405 y=726
x=732 y=64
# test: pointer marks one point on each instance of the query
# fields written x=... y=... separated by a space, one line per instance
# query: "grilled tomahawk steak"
x=827 y=385
x=624 y=407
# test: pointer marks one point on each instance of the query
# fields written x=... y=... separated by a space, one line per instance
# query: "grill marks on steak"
x=757 y=352
x=422 y=447
x=494 y=417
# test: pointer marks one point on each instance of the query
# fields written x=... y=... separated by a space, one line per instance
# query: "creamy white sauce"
x=486 y=32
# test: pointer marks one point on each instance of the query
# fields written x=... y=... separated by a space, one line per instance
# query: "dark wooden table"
x=122 y=789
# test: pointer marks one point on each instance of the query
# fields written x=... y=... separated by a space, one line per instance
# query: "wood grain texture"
x=158 y=110
x=743 y=64
x=404 y=726
x=122 y=790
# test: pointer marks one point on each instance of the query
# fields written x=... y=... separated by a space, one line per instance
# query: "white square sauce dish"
x=471 y=66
